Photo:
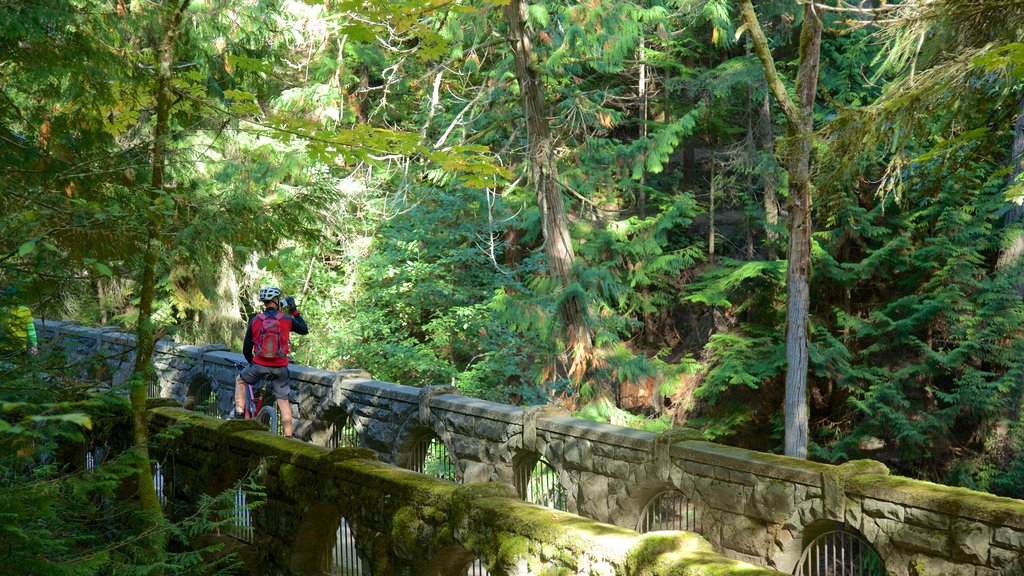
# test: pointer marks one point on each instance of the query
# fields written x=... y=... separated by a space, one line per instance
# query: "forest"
x=794 y=226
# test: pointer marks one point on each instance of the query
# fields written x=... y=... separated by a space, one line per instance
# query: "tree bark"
x=544 y=175
x=800 y=126
x=145 y=332
x=1011 y=254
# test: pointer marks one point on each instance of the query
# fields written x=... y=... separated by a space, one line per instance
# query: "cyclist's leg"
x=282 y=391
x=285 y=406
x=243 y=387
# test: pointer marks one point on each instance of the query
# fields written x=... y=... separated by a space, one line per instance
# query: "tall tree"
x=171 y=16
x=544 y=176
x=800 y=131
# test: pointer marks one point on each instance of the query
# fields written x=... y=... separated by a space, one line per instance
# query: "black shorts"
x=278 y=384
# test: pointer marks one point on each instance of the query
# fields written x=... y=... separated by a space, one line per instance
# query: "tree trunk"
x=544 y=174
x=765 y=143
x=800 y=126
x=1015 y=216
x=145 y=332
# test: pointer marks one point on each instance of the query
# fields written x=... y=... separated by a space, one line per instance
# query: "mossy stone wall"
x=755 y=507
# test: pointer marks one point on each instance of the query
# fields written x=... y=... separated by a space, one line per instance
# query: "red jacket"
x=289 y=323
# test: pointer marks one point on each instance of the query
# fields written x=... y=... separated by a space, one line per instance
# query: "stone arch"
x=201 y=394
x=455 y=561
x=639 y=510
x=539 y=481
x=831 y=547
x=789 y=542
x=311 y=545
x=416 y=451
x=336 y=427
x=411 y=435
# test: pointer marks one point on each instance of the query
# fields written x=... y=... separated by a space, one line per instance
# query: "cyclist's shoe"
x=236 y=415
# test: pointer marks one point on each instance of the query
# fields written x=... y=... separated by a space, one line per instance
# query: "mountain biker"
x=17 y=330
x=266 y=348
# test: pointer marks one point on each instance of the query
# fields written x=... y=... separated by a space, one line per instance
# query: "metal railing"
x=839 y=553
x=243 y=529
x=344 y=558
x=537 y=482
x=669 y=510
x=477 y=568
x=206 y=399
x=430 y=456
x=158 y=484
x=344 y=435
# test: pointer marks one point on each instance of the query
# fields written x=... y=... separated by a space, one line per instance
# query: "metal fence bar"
x=158 y=484
x=839 y=553
x=243 y=516
x=537 y=483
x=344 y=558
x=669 y=510
x=477 y=568
x=343 y=435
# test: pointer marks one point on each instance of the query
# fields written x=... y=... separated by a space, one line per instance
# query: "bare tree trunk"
x=544 y=174
x=145 y=332
x=771 y=202
x=642 y=94
x=1011 y=254
x=800 y=126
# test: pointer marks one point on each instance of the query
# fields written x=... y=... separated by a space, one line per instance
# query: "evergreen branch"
x=764 y=54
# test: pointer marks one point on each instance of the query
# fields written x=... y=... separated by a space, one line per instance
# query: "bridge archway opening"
x=344 y=557
x=342 y=433
x=457 y=561
x=425 y=453
x=537 y=482
x=669 y=510
x=834 y=549
x=201 y=396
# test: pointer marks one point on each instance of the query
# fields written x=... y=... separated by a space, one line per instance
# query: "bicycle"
x=260 y=407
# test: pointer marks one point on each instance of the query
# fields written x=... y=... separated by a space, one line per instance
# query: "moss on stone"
x=152 y=403
x=343 y=454
x=406 y=528
x=938 y=498
x=290 y=477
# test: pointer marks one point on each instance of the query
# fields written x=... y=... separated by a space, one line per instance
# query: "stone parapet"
x=761 y=508
x=404 y=523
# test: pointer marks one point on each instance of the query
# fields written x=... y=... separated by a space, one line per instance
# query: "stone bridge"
x=775 y=512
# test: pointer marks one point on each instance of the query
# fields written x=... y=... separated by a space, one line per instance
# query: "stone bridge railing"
x=763 y=509
x=402 y=522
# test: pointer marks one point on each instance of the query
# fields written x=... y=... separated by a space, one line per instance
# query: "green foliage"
x=58 y=516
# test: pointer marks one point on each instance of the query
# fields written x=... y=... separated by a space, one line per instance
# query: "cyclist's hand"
x=289 y=303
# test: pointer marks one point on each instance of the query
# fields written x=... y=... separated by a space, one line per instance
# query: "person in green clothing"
x=17 y=330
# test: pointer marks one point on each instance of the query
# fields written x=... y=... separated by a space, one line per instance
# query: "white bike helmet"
x=268 y=293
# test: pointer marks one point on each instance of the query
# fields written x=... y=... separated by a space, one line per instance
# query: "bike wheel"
x=268 y=417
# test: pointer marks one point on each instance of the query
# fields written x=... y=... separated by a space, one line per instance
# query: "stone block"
x=623 y=453
x=747 y=536
x=880 y=509
x=854 y=514
x=922 y=565
x=1009 y=538
x=614 y=468
x=464 y=447
x=698 y=469
x=477 y=472
x=918 y=539
x=744 y=478
x=592 y=500
x=772 y=500
x=492 y=430
x=927 y=519
x=1000 y=557
x=972 y=540
x=724 y=496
